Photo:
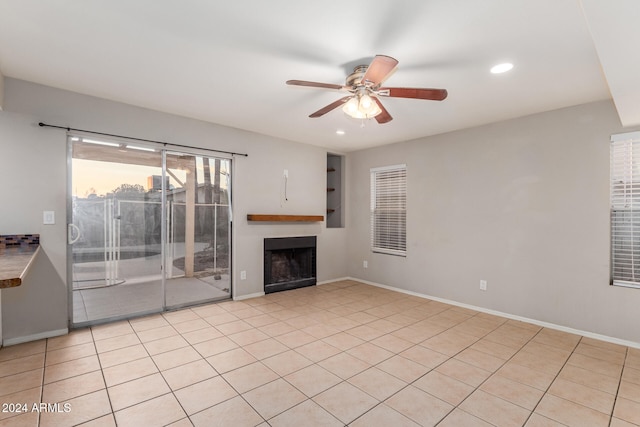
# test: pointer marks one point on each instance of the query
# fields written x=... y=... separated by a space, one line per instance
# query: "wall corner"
x=1 y=92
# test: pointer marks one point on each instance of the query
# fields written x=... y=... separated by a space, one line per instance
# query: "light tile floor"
x=339 y=354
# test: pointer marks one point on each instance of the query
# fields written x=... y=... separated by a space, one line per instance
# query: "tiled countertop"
x=17 y=253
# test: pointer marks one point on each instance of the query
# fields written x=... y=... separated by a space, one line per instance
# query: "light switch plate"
x=48 y=217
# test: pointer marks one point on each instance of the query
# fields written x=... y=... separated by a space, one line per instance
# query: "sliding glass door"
x=149 y=229
x=198 y=249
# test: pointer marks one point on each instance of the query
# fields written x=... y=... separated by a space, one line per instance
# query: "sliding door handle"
x=70 y=233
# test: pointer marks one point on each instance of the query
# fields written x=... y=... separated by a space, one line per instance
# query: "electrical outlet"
x=243 y=275
x=483 y=285
x=365 y=264
x=286 y=173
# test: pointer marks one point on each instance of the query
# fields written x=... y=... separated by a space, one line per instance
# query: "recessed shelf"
x=335 y=192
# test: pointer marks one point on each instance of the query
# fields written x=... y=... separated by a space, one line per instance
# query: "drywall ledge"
x=284 y=218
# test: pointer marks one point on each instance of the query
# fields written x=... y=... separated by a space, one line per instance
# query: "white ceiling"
x=227 y=61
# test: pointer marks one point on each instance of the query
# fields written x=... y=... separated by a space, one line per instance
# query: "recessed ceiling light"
x=339 y=132
x=501 y=68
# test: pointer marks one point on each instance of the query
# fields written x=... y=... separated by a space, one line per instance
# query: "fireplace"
x=289 y=263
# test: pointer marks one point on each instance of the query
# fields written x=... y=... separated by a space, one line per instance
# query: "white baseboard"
x=248 y=296
x=324 y=282
x=561 y=328
x=34 y=337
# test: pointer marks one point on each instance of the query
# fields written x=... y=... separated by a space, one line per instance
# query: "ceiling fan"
x=364 y=85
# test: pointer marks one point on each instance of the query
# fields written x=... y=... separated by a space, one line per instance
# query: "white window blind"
x=389 y=210
x=625 y=209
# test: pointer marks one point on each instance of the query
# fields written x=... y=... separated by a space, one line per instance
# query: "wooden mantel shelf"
x=285 y=218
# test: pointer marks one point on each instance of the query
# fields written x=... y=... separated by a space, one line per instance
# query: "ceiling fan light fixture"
x=351 y=106
x=371 y=109
x=366 y=103
x=361 y=107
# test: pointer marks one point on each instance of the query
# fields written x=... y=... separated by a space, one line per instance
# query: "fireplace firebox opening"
x=289 y=263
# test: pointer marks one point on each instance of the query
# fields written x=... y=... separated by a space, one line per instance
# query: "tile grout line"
x=102 y=369
x=106 y=388
x=73 y=376
x=555 y=376
x=486 y=379
x=430 y=370
x=615 y=399
x=158 y=368
x=269 y=382
x=314 y=363
x=219 y=374
x=615 y=396
x=44 y=369
x=532 y=411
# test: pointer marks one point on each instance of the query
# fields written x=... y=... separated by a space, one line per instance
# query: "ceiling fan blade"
x=410 y=92
x=379 y=69
x=384 y=116
x=314 y=84
x=332 y=106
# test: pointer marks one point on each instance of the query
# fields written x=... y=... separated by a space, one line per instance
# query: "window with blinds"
x=625 y=209
x=389 y=210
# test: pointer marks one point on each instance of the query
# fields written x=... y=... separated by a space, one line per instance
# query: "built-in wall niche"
x=335 y=191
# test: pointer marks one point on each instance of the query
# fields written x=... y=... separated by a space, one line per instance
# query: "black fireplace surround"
x=289 y=263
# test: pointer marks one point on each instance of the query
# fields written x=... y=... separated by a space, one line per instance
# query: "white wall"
x=1 y=91
x=34 y=176
x=35 y=179
x=523 y=204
